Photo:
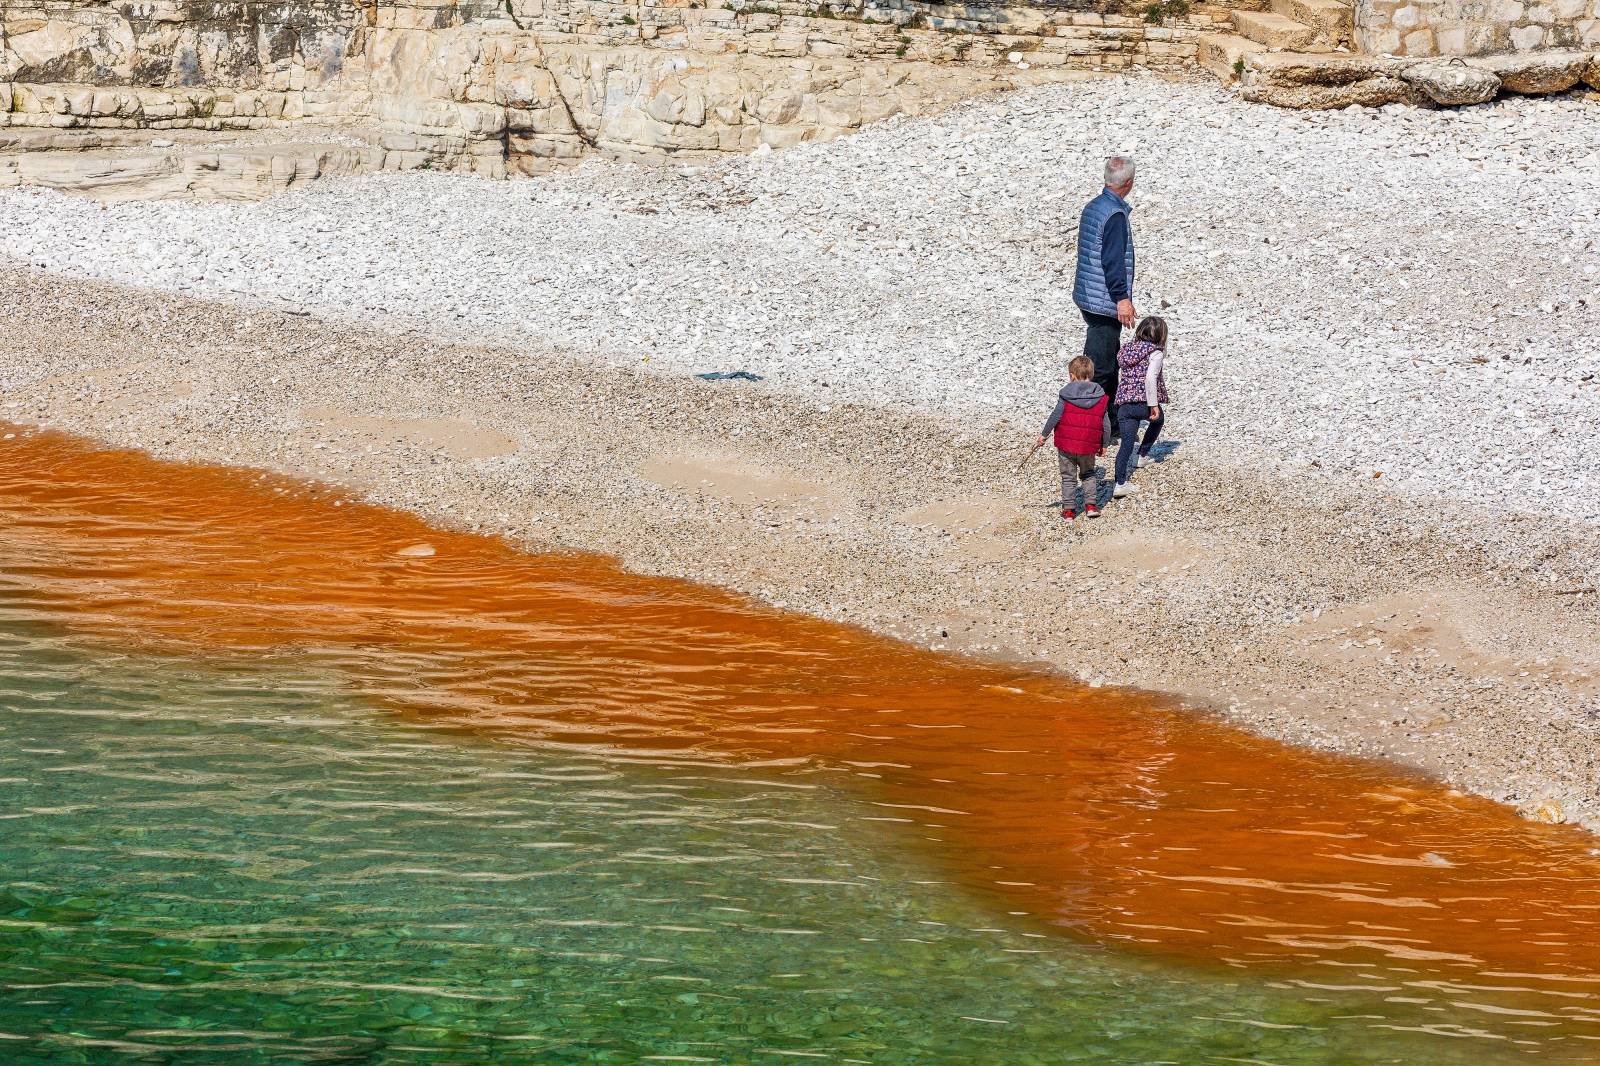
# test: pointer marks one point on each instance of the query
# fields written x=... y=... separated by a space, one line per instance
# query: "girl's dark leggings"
x=1129 y=415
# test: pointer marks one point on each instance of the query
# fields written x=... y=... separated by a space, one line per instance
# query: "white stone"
x=1453 y=83
x=1527 y=37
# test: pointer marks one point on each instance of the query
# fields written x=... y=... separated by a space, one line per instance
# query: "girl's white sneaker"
x=1123 y=488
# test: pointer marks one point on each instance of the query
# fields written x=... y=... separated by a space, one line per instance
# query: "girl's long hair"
x=1153 y=330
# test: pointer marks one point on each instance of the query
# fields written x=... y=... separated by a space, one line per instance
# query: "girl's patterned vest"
x=1133 y=362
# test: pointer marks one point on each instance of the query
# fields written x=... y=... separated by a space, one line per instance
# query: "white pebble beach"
x=1406 y=292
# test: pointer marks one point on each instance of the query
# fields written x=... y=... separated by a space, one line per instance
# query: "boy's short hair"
x=1081 y=368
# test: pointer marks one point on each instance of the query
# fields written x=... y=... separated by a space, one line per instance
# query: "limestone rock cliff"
x=499 y=87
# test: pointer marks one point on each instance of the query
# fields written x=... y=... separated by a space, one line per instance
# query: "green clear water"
x=206 y=862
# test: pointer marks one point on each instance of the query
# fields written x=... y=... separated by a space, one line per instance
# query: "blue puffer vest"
x=1089 y=291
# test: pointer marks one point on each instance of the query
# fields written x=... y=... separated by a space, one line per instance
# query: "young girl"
x=1140 y=365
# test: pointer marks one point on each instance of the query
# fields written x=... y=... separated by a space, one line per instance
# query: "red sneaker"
x=1069 y=514
x=1091 y=511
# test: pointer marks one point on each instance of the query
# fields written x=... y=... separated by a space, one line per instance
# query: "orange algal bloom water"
x=1108 y=814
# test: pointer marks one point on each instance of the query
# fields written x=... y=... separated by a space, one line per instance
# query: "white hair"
x=1119 y=170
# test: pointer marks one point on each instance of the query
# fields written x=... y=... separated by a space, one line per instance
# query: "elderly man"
x=1103 y=290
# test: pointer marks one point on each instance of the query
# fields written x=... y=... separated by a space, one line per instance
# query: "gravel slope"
x=1399 y=291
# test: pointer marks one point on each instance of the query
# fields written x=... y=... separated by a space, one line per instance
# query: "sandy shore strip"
x=1339 y=614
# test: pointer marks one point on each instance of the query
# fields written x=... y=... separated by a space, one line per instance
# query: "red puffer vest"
x=1080 y=430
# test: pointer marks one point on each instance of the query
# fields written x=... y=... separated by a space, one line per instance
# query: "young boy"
x=1082 y=427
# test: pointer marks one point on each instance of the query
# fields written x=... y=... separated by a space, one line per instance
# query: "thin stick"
x=1025 y=459
x=1576 y=592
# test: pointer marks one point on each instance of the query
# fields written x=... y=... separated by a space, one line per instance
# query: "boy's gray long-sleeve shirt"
x=1082 y=395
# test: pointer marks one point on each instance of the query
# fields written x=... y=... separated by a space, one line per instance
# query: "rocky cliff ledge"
x=498 y=87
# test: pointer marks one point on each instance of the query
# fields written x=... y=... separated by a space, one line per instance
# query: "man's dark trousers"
x=1101 y=346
